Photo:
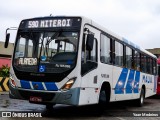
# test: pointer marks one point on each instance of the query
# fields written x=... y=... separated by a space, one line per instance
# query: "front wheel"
x=49 y=106
x=103 y=99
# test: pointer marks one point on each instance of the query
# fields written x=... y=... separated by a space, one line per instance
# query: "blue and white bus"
x=72 y=60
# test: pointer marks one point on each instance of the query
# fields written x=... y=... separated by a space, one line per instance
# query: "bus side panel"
x=150 y=84
x=128 y=84
x=88 y=92
x=106 y=75
x=120 y=78
x=90 y=87
x=88 y=96
x=90 y=79
x=158 y=86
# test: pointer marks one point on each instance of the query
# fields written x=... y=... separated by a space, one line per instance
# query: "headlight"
x=68 y=84
x=12 y=81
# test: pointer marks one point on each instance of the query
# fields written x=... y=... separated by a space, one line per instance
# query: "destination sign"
x=49 y=23
x=27 y=61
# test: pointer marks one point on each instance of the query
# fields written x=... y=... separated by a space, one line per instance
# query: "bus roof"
x=91 y=22
x=120 y=38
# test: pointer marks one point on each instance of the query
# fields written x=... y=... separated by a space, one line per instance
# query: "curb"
x=4 y=93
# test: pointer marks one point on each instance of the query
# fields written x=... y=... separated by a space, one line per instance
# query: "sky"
x=136 y=20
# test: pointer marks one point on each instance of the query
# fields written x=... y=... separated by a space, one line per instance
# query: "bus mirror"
x=89 y=42
x=7 y=40
x=57 y=41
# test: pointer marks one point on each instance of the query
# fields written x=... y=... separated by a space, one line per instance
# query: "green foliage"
x=4 y=71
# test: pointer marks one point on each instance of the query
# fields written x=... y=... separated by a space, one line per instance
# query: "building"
x=155 y=51
x=6 y=54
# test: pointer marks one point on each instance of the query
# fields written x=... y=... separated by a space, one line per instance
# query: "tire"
x=101 y=106
x=103 y=99
x=140 y=101
x=49 y=106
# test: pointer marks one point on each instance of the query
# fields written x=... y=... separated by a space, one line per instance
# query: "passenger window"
x=155 y=68
x=128 y=57
x=148 y=64
x=143 y=63
x=151 y=66
x=118 y=54
x=137 y=60
x=105 y=49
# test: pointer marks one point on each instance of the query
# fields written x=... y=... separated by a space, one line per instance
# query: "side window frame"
x=96 y=50
x=114 y=54
x=137 y=60
x=130 y=60
x=90 y=64
x=109 y=52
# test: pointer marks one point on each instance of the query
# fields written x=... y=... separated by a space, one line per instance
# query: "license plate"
x=35 y=99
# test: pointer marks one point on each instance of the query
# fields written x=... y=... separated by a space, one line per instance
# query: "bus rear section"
x=158 y=81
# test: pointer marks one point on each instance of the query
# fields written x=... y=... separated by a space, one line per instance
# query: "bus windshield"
x=46 y=52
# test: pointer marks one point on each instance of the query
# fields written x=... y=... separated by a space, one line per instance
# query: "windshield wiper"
x=58 y=33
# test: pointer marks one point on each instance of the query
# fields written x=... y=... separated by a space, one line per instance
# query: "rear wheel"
x=140 y=101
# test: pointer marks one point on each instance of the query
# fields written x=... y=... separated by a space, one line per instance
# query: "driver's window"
x=91 y=58
x=90 y=55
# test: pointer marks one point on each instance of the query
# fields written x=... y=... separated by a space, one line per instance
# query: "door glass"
x=91 y=58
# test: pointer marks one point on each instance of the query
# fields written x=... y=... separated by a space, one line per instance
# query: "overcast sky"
x=136 y=20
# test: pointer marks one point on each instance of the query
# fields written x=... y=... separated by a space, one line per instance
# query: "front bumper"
x=70 y=97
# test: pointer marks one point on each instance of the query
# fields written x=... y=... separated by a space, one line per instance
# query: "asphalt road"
x=126 y=110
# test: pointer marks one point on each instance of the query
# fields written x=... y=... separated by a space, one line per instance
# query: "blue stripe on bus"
x=38 y=86
x=136 y=83
x=121 y=81
x=130 y=81
x=51 y=86
x=25 y=84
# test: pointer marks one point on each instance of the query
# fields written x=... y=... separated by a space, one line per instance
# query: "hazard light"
x=12 y=81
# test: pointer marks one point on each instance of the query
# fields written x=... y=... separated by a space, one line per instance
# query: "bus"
x=72 y=60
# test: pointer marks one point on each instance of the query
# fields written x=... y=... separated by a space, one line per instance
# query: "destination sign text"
x=49 y=23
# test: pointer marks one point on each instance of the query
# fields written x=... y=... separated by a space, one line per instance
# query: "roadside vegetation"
x=4 y=71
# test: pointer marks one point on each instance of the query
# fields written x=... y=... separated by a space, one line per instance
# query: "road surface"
x=115 y=111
